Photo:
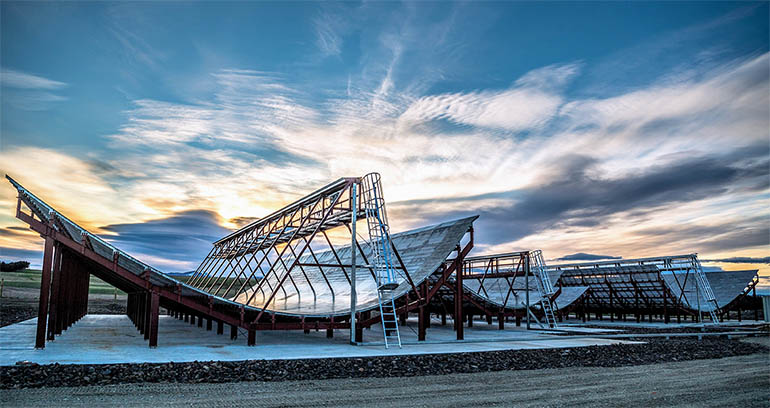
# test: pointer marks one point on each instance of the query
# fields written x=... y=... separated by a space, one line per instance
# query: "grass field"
x=30 y=279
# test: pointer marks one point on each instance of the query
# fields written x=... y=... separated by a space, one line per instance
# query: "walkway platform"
x=110 y=339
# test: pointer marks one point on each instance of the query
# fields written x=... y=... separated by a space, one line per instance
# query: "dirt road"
x=735 y=381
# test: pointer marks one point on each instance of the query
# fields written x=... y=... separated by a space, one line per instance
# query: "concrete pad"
x=109 y=339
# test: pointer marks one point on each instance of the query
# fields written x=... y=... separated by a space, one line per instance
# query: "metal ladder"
x=382 y=256
x=544 y=285
x=705 y=286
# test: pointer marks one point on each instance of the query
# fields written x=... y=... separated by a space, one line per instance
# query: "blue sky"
x=621 y=129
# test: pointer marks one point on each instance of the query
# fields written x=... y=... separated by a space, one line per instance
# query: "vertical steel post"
x=55 y=301
x=697 y=295
x=45 y=288
x=154 y=309
x=526 y=282
x=459 y=294
x=353 y=299
x=422 y=314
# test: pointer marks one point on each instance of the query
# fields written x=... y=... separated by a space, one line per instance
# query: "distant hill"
x=188 y=273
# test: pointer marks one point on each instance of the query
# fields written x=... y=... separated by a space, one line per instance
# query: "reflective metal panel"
x=310 y=294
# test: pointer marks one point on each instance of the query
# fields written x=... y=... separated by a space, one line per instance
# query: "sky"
x=588 y=130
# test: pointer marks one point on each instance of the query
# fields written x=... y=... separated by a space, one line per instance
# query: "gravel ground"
x=734 y=381
x=632 y=329
x=653 y=351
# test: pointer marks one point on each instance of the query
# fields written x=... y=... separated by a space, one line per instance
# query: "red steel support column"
x=252 y=341
x=154 y=305
x=147 y=314
x=359 y=330
x=55 y=303
x=421 y=323
x=423 y=317
x=208 y=324
x=45 y=288
x=459 y=294
x=330 y=329
x=233 y=332
x=220 y=327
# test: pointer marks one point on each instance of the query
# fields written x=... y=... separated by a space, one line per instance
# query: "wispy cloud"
x=530 y=103
x=547 y=167
x=22 y=80
x=329 y=28
x=29 y=91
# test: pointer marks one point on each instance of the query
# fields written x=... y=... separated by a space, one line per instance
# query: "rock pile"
x=655 y=350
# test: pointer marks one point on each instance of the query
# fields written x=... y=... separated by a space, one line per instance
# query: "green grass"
x=30 y=279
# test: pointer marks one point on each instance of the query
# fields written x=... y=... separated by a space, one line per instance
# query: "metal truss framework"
x=72 y=254
x=489 y=286
x=637 y=286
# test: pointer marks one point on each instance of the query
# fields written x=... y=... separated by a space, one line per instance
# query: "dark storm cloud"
x=183 y=237
x=14 y=232
x=741 y=259
x=582 y=256
x=748 y=233
x=34 y=257
x=576 y=197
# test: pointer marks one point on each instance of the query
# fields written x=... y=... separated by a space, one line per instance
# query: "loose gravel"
x=654 y=350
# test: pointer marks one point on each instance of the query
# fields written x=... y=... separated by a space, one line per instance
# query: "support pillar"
x=147 y=314
x=459 y=294
x=501 y=321
x=154 y=309
x=233 y=332
x=208 y=324
x=45 y=288
x=55 y=302
x=421 y=326
x=252 y=341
